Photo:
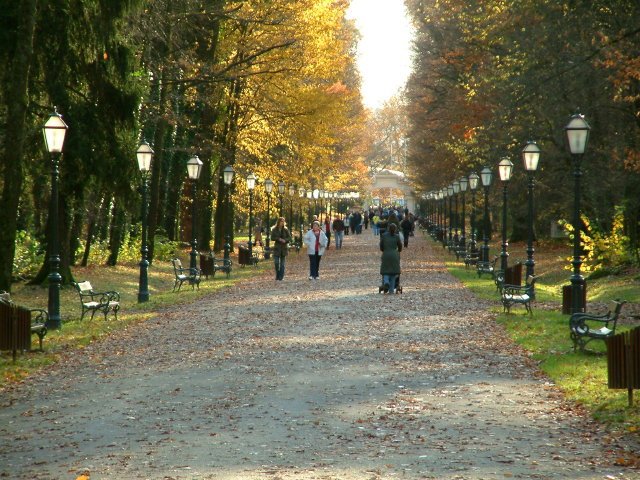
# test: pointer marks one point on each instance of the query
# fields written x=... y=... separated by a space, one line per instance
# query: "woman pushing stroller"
x=390 y=246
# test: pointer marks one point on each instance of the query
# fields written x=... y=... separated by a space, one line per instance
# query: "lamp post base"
x=143 y=292
x=55 y=321
x=227 y=247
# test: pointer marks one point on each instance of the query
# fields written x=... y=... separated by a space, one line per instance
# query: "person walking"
x=374 y=223
x=281 y=237
x=390 y=246
x=338 y=231
x=327 y=230
x=316 y=242
x=406 y=225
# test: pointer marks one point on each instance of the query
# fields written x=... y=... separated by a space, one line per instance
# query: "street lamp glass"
x=227 y=174
x=486 y=176
x=464 y=184
x=54 y=131
x=577 y=133
x=316 y=193
x=292 y=190
x=194 y=167
x=450 y=190
x=144 y=154
x=251 y=181
x=531 y=156
x=505 y=168
x=281 y=187
x=473 y=180
x=302 y=192
x=268 y=185
x=456 y=186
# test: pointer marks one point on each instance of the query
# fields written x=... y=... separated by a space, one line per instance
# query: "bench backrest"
x=84 y=287
x=177 y=265
x=5 y=297
x=616 y=308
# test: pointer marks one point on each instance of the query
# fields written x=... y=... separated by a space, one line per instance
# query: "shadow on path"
x=304 y=379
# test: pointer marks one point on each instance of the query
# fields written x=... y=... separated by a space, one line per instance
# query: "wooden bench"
x=191 y=275
x=585 y=327
x=518 y=294
x=486 y=267
x=93 y=301
x=17 y=324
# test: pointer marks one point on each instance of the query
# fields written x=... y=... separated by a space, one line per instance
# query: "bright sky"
x=384 y=50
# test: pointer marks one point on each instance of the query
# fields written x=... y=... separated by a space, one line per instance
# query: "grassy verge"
x=76 y=334
x=582 y=376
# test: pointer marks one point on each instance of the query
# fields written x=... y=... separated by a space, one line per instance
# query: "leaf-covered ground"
x=305 y=380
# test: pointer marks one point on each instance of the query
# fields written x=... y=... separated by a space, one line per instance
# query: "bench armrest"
x=38 y=317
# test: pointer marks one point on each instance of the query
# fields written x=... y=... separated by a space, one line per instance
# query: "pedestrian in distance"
x=281 y=237
x=338 y=231
x=406 y=225
x=390 y=246
x=374 y=224
x=327 y=229
x=316 y=242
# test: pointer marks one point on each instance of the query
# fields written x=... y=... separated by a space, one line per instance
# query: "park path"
x=305 y=380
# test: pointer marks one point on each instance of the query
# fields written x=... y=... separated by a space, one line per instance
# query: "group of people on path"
x=314 y=239
x=317 y=240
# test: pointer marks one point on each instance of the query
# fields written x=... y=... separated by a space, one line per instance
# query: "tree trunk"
x=15 y=132
x=117 y=235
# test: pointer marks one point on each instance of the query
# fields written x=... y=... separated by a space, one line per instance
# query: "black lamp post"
x=194 y=167
x=268 y=186
x=443 y=196
x=144 y=155
x=292 y=192
x=316 y=194
x=577 y=131
x=281 y=188
x=451 y=217
x=505 y=167
x=464 y=184
x=456 y=218
x=486 y=176
x=227 y=177
x=251 y=184
x=309 y=195
x=302 y=193
x=474 y=178
x=54 y=132
x=530 y=157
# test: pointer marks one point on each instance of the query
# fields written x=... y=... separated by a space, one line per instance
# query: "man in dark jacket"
x=406 y=225
x=338 y=231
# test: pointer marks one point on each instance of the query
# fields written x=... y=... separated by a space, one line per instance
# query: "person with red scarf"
x=316 y=242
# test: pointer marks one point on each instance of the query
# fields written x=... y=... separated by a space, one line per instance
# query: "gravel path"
x=305 y=380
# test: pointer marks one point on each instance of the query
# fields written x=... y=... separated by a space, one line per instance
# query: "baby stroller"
x=398 y=286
